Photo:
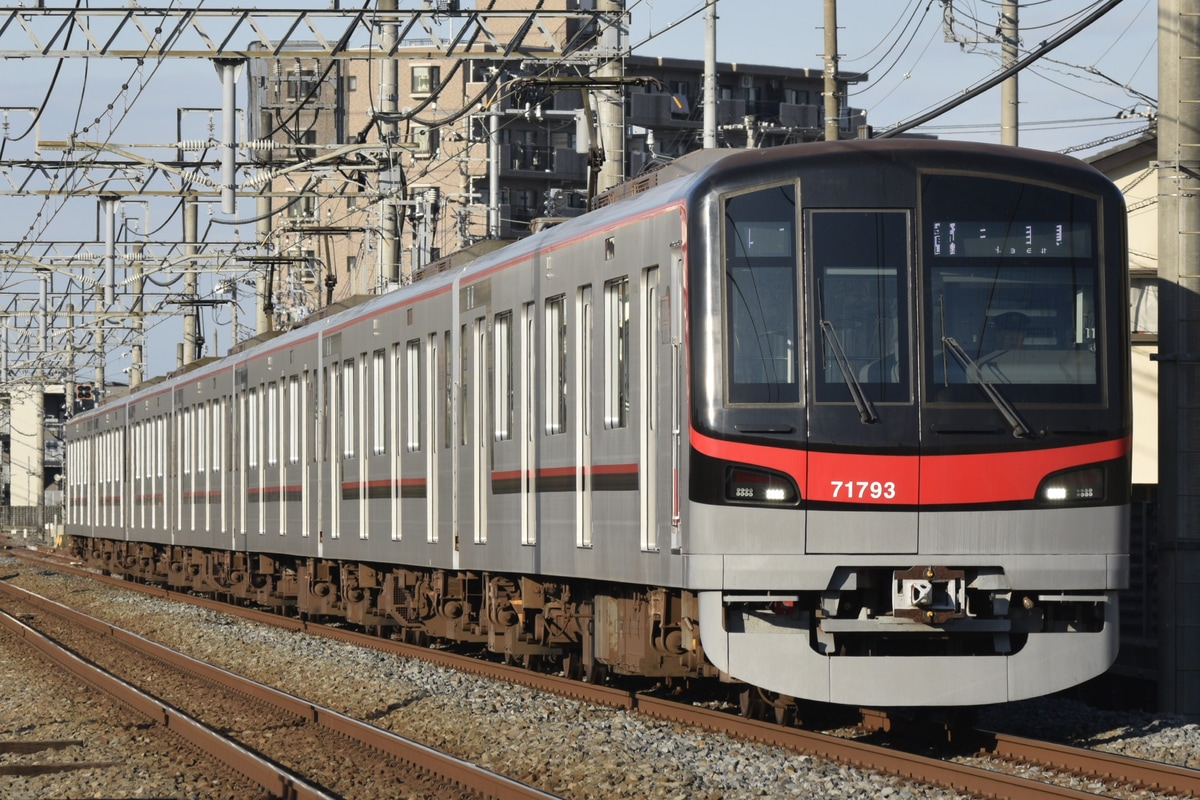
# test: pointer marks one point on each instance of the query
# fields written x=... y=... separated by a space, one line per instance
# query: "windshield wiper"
x=1019 y=428
x=866 y=410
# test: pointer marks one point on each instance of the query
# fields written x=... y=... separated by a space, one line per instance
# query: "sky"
x=1068 y=99
x=1092 y=95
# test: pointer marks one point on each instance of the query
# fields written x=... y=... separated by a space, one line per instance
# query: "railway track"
x=1060 y=771
x=236 y=720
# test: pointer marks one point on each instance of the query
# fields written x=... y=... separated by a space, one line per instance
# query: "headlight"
x=760 y=486
x=1073 y=486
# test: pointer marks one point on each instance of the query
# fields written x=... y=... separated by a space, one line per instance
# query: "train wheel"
x=572 y=666
x=785 y=712
x=751 y=703
x=577 y=668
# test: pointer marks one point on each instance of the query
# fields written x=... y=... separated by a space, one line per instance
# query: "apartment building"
x=372 y=198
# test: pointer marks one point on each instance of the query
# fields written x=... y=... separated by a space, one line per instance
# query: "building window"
x=425 y=79
x=308 y=137
x=303 y=205
x=299 y=83
x=1143 y=304
x=797 y=97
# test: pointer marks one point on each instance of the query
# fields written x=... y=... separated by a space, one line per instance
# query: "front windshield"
x=1012 y=277
x=760 y=296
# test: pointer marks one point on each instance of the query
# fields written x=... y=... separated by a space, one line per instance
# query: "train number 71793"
x=863 y=490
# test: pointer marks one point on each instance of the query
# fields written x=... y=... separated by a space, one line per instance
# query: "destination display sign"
x=1013 y=239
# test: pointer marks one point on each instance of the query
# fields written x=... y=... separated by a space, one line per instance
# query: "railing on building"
x=37 y=524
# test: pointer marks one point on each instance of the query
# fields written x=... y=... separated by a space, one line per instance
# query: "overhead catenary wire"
x=997 y=79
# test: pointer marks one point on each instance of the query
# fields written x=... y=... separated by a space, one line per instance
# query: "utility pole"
x=69 y=381
x=264 y=322
x=610 y=104
x=1178 y=359
x=710 y=75
x=831 y=72
x=190 y=248
x=494 y=166
x=389 y=209
x=137 y=322
x=1008 y=89
x=229 y=70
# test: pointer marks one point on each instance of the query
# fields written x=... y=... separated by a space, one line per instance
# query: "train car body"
x=847 y=422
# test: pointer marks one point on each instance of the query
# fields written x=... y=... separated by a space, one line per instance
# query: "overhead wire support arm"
x=124 y=32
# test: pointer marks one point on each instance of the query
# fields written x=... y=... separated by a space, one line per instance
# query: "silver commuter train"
x=847 y=422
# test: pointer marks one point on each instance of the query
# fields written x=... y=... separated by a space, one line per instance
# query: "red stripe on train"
x=912 y=479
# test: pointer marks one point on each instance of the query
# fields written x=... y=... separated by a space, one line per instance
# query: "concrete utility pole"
x=494 y=167
x=389 y=104
x=831 y=72
x=109 y=205
x=137 y=323
x=1008 y=90
x=264 y=322
x=710 y=75
x=1178 y=358
x=610 y=103
x=69 y=381
x=190 y=248
x=229 y=70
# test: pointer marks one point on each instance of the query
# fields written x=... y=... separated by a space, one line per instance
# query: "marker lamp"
x=1073 y=487
x=759 y=486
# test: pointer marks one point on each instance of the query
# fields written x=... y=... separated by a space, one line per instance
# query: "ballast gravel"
x=557 y=744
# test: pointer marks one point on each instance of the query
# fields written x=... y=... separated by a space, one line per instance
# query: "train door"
x=649 y=450
x=272 y=471
x=333 y=453
x=435 y=385
x=861 y=395
x=292 y=464
x=446 y=495
x=349 y=487
x=528 y=426
x=477 y=438
x=308 y=452
x=237 y=441
x=410 y=394
x=583 y=416
x=379 y=482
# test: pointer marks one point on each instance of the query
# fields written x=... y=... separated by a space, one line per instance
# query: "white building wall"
x=26 y=443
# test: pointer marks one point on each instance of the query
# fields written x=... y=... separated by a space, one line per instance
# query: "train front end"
x=908 y=472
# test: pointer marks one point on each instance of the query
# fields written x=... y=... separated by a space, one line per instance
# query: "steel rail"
x=457 y=771
x=271 y=777
x=959 y=777
x=1148 y=774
